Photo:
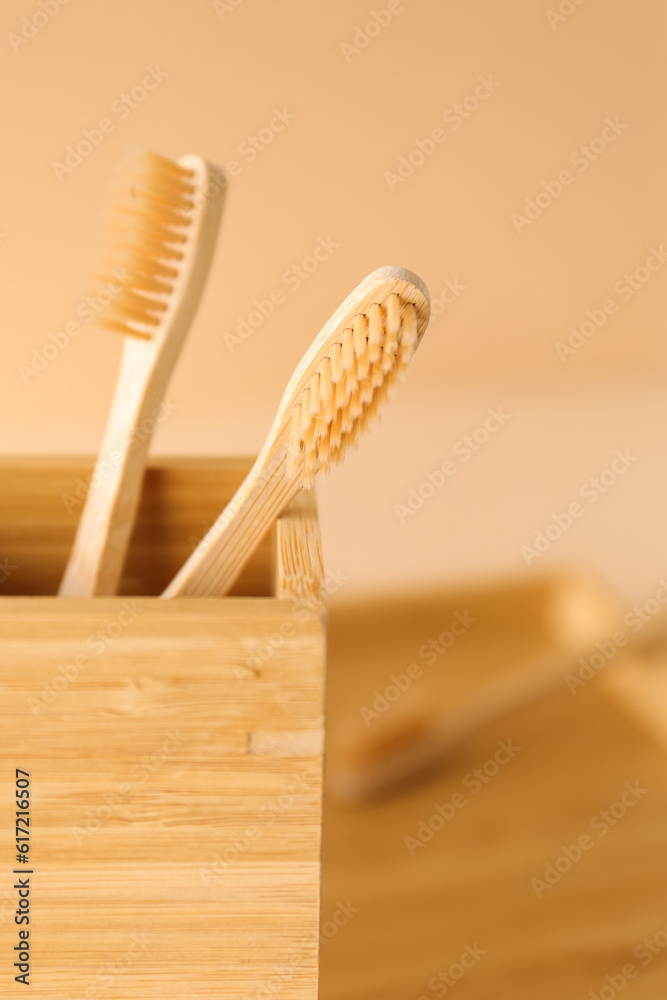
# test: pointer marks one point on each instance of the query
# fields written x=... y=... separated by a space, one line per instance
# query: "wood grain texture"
x=412 y=916
x=300 y=565
x=175 y=759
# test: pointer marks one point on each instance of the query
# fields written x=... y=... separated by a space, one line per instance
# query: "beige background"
x=323 y=176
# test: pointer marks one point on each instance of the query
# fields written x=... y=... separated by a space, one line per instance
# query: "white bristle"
x=377 y=376
x=148 y=231
x=364 y=420
x=391 y=336
x=344 y=393
x=336 y=429
x=366 y=390
x=348 y=420
x=140 y=307
x=149 y=283
x=310 y=441
x=361 y=345
x=409 y=339
x=315 y=395
x=356 y=406
x=323 y=454
x=305 y=413
x=336 y=362
x=380 y=397
x=348 y=351
x=375 y=332
x=144 y=243
x=295 y=440
x=132 y=217
x=310 y=464
x=326 y=390
x=372 y=408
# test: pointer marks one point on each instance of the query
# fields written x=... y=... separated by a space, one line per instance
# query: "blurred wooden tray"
x=413 y=916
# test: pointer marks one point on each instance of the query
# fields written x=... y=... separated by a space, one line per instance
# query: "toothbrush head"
x=355 y=362
x=150 y=243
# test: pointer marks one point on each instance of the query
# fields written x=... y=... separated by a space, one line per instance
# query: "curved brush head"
x=149 y=240
x=355 y=362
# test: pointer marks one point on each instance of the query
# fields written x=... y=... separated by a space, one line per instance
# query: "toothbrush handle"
x=96 y=560
x=217 y=561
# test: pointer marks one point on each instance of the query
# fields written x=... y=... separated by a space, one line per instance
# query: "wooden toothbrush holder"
x=174 y=749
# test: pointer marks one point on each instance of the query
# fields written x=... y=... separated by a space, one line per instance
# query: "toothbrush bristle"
x=343 y=396
x=145 y=236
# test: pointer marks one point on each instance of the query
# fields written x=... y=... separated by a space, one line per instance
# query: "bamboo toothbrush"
x=355 y=360
x=162 y=231
x=426 y=731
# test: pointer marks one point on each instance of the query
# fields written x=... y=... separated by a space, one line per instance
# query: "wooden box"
x=174 y=751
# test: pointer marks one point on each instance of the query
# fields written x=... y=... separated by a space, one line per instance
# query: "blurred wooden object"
x=174 y=751
x=412 y=916
x=640 y=683
x=499 y=645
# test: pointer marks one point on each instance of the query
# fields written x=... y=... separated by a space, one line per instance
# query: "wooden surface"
x=175 y=772
x=471 y=884
x=299 y=568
